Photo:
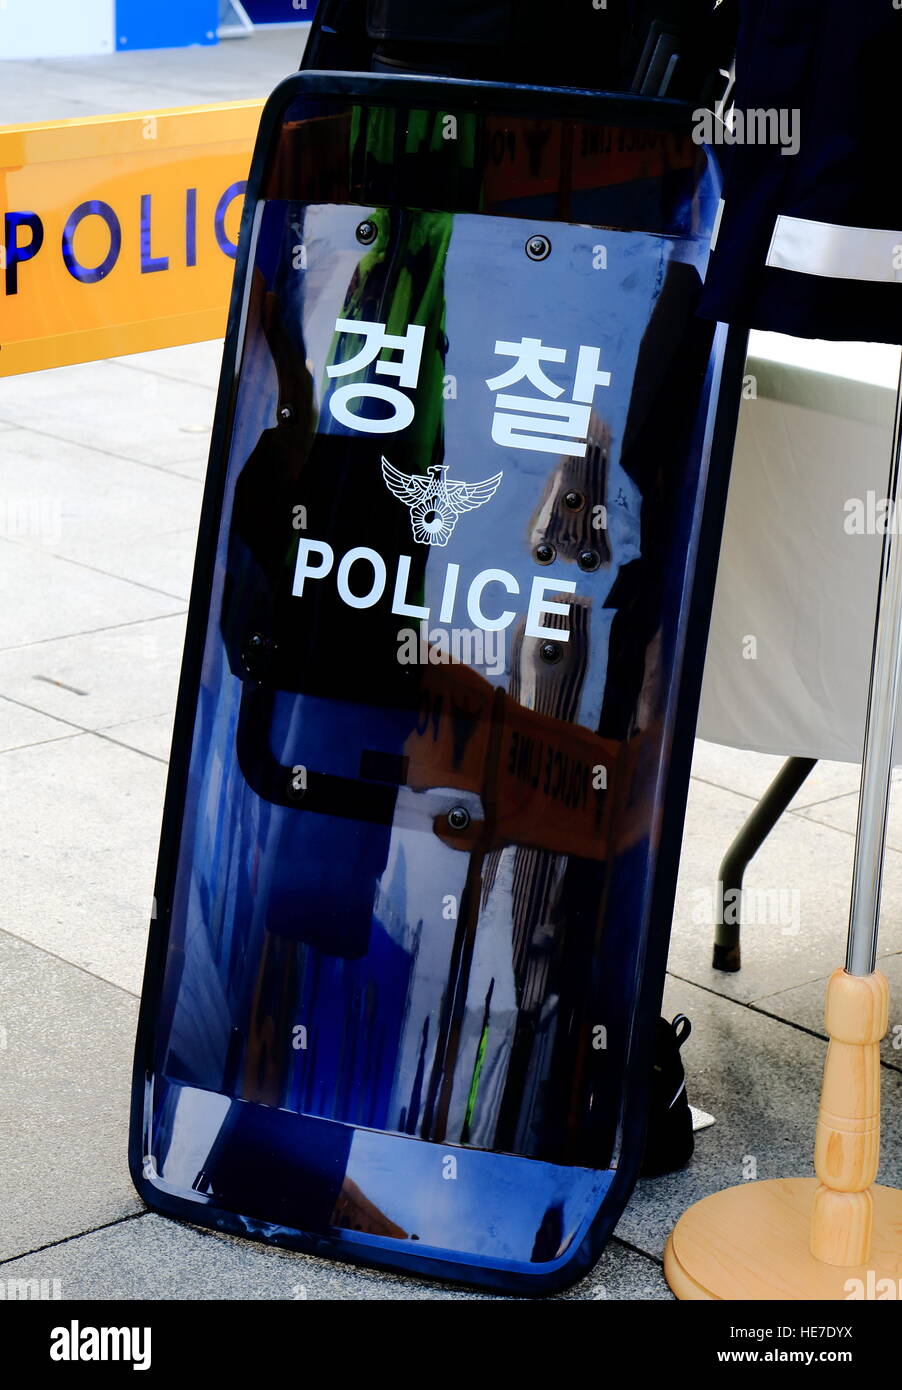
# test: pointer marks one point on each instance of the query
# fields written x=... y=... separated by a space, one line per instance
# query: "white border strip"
x=840 y=253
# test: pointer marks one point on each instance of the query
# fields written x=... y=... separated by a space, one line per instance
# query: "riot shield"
x=439 y=686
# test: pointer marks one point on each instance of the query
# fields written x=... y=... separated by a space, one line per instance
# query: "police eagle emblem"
x=435 y=501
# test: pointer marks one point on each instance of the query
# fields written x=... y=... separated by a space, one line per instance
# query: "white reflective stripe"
x=841 y=253
x=717 y=216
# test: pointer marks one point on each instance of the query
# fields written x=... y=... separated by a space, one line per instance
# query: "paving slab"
x=741 y=770
x=841 y=812
x=30 y=93
x=796 y=904
x=140 y=416
x=760 y=1078
x=804 y=1006
x=44 y=597
x=45 y=93
x=113 y=516
x=97 y=679
x=152 y=1258
x=152 y=736
x=195 y=362
x=65 y=1064
x=195 y=468
x=163 y=563
x=20 y=727
x=62 y=88
x=79 y=829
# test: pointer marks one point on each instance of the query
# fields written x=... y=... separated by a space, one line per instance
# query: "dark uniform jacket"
x=810 y=241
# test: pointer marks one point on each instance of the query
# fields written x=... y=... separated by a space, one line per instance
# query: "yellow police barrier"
x=119 y=232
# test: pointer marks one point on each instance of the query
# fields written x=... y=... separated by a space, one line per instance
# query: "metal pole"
x=877 y=758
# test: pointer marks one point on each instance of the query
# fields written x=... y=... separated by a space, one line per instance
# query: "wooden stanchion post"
x=847 y=1144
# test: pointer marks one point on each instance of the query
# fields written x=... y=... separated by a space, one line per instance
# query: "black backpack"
x=669 y=1140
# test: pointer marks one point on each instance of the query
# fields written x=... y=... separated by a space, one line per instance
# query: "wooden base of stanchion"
x=836 y=1236
x=754 y=1242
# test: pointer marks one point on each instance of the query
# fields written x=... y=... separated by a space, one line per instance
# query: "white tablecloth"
x=792 y=627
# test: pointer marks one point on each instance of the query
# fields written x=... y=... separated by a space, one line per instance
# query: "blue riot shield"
x=439 y=687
